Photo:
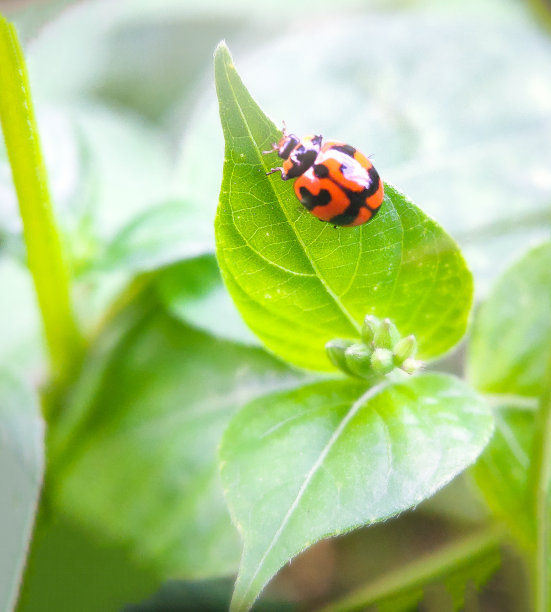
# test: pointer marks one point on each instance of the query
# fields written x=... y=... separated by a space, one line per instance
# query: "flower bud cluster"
x=379 y=352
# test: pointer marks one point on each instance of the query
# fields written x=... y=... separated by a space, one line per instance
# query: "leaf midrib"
x=356 y=406
x=322 y=280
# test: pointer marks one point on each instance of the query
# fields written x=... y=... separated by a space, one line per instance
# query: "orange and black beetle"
x=334 y=181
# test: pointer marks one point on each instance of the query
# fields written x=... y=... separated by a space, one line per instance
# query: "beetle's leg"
x=279 y=169
x=272 y=150
x=275 y=145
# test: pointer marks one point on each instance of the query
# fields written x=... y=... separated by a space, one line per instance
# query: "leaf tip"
x=222 y=53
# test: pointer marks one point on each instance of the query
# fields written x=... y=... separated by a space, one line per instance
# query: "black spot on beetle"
x=321 y=171
x=291 y=144
x=374 y=181
x=302 y=159
x=310 y=201
x=347 y=149
x=344 y=218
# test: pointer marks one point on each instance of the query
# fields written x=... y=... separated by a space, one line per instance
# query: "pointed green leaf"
x=21 y=469
x=460 y=162
x=302 y=465
x=287 y=271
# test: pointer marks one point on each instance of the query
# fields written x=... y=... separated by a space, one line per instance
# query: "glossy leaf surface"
x=302 y=465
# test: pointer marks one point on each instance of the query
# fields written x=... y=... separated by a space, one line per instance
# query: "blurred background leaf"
x=515 y=318
x=21 y=348
x=502 y=470
x=458 y=566
x=134 y=454
x=161 y=236
x=21 y=470
x=72 y=567
x=193 y=292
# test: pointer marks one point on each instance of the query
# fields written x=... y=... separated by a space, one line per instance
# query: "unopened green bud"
x=382 y=360
x=335 y=351
x=387 y=335
x=370 y=328
x=404 y=349
x=411 y=365
x=358 y=359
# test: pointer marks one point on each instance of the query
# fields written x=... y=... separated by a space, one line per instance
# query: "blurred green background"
x=453 y=100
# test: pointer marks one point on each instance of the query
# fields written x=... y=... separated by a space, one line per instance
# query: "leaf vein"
x=368 y=395
x=322 y=280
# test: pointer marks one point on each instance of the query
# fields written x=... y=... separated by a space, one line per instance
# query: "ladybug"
x=334 y=181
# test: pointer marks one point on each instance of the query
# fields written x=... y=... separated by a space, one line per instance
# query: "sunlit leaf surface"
x=287 y=271
x=471 y=151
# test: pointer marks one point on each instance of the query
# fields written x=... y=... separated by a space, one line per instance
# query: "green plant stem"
x=44 y=250
x=540 y=481
x=424 y=571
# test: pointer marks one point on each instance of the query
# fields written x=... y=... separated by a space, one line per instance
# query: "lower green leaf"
x=302 y=465
x=21 y=469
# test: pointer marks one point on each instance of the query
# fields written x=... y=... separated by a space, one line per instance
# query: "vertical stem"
x=44 y=250
x=541 y=477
